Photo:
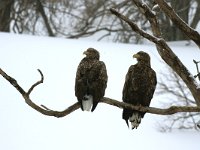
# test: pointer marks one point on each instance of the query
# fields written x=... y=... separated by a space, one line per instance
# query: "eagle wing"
x=132 y=85
x=151 y=86
x=99 y=83
x=139 y=86
x=80 y=85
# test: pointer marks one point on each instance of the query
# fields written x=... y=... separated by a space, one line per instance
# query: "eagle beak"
x=136 y=56
x=85 y=53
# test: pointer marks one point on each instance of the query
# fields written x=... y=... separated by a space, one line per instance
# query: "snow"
x=23 y=128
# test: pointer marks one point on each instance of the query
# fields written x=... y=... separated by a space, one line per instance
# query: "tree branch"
x=166 y=53
x=27 y=99
x=44 y=17
x=168 y=111
x=46 y=111
x=37 y=83
x=190 y=32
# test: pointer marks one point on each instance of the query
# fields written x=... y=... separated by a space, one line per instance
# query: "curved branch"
x=135 y=27
x=12 y=81
x=44 y=17
x=46 y=111
x=167 y=111
x=37 y=83
x=167 y=55
x=27 y=99
x=190 y=32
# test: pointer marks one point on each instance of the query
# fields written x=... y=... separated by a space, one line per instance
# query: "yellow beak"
x=85 y=53
x=136 y=56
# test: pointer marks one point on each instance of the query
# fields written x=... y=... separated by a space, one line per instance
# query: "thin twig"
x=37 y=83
x=198 y=73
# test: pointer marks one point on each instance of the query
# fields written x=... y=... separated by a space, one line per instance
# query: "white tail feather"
x=87 y=102
x=135 y=120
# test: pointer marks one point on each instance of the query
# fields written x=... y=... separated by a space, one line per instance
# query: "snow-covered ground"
x=22 y=128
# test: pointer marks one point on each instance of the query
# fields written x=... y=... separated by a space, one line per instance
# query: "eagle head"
x=92 y=53
x=142 y=57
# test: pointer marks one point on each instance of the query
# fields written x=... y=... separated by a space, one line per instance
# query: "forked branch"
x=46 y=111
x=26 y=96
x=163 y=49
x=190 y=32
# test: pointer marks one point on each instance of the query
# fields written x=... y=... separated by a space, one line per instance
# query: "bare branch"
x=135 y=27
x=179 y=95
x=146 y=11
x=168 y=111
x=167 y=55
x=46 y=111
x=44 y=16
x=190 y=32
x=37 y=83
x=12 y=81
x=25 y=95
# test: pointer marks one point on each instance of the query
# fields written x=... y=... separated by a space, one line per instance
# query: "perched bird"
x=139 y=87
x=91 y=80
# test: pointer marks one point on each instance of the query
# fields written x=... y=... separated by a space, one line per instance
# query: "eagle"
x=140 y=84
x=91 y=80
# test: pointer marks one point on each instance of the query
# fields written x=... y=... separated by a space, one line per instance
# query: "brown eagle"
x=91 y=80
x=139 y=87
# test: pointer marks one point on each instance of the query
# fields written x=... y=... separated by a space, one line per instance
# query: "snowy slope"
x=23 y=128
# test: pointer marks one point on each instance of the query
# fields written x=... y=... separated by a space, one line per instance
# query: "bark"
x=181 y=24
x=44 y=16
x=163 y=49
x=49 y=112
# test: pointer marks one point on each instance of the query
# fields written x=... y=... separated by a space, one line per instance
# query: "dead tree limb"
x=190 y=32
x=41 y=10
x=46 y=111
x=26 y=96
x=168 y=111
x=163 y=49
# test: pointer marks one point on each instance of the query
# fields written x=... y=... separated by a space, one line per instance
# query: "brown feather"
x=91 y=78
x=139 y=86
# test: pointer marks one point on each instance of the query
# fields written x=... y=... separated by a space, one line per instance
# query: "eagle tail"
x=94 y=106
x=127 y=122
x=87 y=103
x=125 y=116
x=81 y=106
x=135 y=119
